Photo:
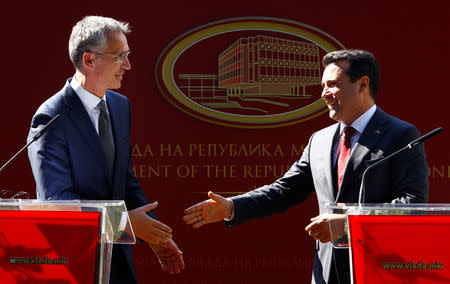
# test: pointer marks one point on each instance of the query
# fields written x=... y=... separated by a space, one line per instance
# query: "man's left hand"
x=169 y=255
x=319 y=228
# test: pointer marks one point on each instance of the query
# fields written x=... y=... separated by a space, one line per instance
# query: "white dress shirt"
x=359 y=125
x=89 y=100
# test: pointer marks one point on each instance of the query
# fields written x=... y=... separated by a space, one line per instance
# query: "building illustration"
x=258 y=74
x=267 y=66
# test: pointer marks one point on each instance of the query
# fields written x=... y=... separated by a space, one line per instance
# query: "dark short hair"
x=361 y=63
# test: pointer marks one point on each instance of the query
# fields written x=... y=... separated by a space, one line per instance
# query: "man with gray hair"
x=87 y=154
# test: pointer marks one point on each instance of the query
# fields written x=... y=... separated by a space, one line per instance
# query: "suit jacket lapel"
x=81 y=119
x=369 y=138
x=330 y=137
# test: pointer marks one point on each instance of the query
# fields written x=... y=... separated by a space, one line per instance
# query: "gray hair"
x=90 y=34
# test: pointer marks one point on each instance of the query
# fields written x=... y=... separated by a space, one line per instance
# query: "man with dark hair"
x=87 y=153
x=333 y=162
x=362 y=63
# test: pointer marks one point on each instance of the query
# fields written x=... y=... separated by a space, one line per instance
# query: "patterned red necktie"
x=344 y=153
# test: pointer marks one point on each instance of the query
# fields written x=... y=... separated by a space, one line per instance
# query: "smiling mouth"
x=331 y=104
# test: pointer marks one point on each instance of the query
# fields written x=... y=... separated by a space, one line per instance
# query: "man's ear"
x=88 y=59
x=364 y=83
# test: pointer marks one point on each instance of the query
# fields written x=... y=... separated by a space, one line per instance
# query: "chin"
x=336 y=115
x=333 y=115
x=115 y=86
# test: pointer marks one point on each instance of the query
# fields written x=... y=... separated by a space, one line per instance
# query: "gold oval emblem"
x=246 y=72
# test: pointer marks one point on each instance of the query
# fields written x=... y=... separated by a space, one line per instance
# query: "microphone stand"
x=35 y=137
x=411 y=145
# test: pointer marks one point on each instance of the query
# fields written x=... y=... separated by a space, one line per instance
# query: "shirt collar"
x=89 y=100
x=361 y=122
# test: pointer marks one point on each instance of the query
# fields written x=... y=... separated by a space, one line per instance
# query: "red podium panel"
x=400 y=249
x=48 y=246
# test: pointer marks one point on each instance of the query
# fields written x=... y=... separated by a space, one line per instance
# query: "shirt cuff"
x=232 y=211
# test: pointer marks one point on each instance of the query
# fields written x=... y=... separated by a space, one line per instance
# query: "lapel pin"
x=378 y=132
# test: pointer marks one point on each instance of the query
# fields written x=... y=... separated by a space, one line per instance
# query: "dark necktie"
x=344 y=153
x=105 y=133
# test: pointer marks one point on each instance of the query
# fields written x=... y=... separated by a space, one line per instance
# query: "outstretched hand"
x=170 y=256
x=148 y=229
x=212 y=210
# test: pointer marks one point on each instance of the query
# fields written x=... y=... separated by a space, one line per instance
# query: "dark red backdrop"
x=411 y=44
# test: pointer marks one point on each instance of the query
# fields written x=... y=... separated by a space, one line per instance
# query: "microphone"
x=45 y=128
x=35 y=137
x=411 y=145
x=425 y=137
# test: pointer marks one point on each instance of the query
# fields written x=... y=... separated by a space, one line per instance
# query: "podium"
x=60 y=241
x=394 y=243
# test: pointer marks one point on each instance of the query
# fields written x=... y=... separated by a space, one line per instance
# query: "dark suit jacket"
x=68 y=162
x=403 y=179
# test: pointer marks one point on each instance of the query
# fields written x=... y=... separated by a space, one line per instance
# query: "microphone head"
x=425 y=137
x=46 y=127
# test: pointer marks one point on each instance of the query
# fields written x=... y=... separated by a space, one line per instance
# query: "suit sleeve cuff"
x=232 y=212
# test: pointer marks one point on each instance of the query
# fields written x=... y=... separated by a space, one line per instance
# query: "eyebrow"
x=122 y=53
x=328 y=82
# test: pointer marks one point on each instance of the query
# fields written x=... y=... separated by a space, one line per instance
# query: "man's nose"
x=126 y=64
x=325 y=93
